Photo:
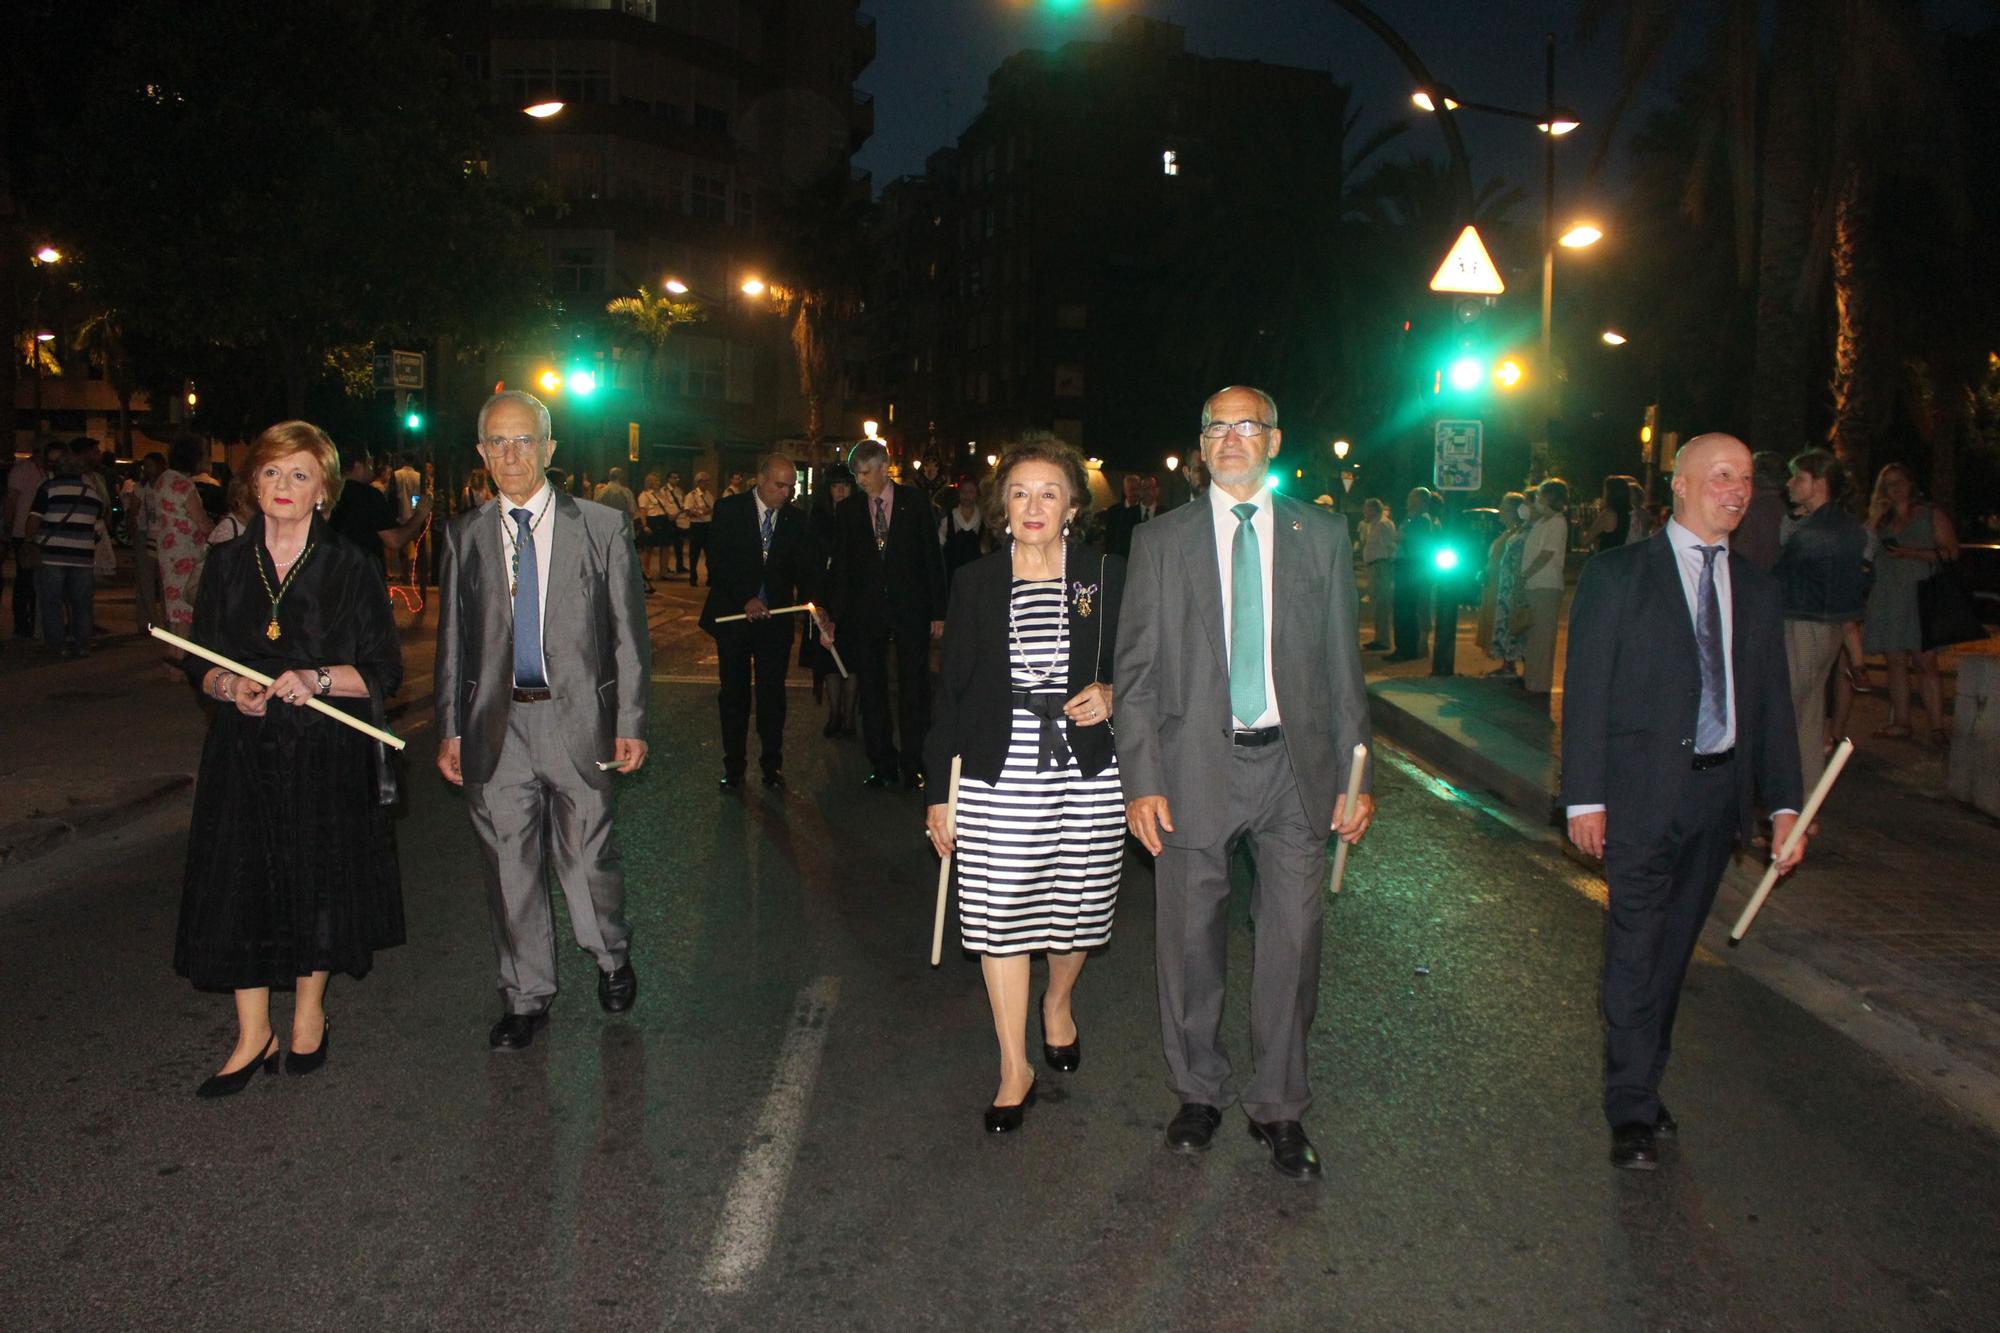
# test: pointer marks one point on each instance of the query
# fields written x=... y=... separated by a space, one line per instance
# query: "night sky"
x=933 y=58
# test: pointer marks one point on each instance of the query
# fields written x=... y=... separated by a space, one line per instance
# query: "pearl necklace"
x=1041 y=675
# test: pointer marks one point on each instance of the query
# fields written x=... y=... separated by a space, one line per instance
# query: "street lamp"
x=1579 y=235
x=753 y=286
x=543 y=108
x=1613 y=338
x=676 y=286
x=1173 y=462
x=48 y=254
x=1340 y=448
x=869 y=429
x=1426 y=102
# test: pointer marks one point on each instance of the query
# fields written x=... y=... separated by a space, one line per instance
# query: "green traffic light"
x=1468 y=372
x=1445 y=558
x=414 y=421
x=582 y=383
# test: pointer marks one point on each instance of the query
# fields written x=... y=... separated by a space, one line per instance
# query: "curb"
x=27 y=839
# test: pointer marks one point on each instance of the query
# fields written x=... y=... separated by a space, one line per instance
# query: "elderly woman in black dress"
x=291 y=865
x=1024 y=698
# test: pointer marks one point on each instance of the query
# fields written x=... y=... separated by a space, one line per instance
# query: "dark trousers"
x=1192 y=941
x=1411 y=590
x=697 y=542
x=67 y=594
x=24 y=591
x=913 y=696
x=1661 y=892
x=743 y=651
x=674 y=543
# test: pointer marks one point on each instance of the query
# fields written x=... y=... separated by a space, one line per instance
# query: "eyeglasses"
x=511 y=445
x=1215 y=430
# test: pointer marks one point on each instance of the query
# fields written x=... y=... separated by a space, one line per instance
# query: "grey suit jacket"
x=594 y=638
x=1172 y=713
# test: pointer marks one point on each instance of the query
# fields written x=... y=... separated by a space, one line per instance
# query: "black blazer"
x=901 y=587
x=1633 y=686
x=737 y=565
x=972 y=708
x=1119 y=521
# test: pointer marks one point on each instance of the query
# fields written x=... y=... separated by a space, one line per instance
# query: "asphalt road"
x=785 y=1132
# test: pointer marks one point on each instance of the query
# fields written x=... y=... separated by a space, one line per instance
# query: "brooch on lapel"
x=1083 y=593
x=1298 y=526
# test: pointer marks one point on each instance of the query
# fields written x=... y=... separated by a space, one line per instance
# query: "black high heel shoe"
x=1062 y=1058
x=225 y=1085
x=1007 y=1119
x=313 y=1059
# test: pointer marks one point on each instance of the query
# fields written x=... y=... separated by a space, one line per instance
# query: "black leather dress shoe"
x=913 y=782
x=617 y=990
x=1192 y=1127
x=774 y=777
x=1634 y=1147
x=514 y=1032
x=881 y=777
x=313 y=1059
x=1291 y=1151
x=1007 y=1119
x=1664 y=1124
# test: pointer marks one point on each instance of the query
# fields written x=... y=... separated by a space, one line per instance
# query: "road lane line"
x=750 y=1214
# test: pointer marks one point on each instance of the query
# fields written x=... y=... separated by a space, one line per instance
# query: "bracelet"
x=216 y=689
x=325 y=682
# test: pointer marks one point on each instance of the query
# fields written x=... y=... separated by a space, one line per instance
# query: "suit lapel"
x=1288 y=564
x=1664 y=576
x=1204 y=577
x=565 y=564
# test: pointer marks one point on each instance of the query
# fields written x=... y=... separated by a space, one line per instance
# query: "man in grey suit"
x=543 y=664
x=1240 y=701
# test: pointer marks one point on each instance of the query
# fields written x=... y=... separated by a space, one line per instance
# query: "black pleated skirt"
x=291 y=865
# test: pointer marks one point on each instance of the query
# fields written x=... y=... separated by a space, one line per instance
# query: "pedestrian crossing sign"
x=1468 y=269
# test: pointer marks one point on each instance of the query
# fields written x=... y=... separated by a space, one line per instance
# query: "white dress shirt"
x=542 y=524
x=1264 y=527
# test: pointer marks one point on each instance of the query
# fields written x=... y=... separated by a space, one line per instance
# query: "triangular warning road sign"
x=1468 y=268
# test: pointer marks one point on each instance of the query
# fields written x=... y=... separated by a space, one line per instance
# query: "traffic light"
x=551 y=381
x=581 y=382
x=413 y=414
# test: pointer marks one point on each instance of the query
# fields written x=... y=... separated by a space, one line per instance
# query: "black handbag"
x=1946 y=611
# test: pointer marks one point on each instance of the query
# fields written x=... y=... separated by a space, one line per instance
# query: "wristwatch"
x=325 y=681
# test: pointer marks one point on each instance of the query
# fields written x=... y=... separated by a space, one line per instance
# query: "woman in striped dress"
x=1024 y=701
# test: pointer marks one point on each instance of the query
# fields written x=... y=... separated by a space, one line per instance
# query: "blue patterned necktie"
x=1712 y=723
x=1246 y=623
x=527 y=606
x=764 y=536
x=881 y=521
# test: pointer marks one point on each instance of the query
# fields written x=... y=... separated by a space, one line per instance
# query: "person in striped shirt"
x=63 y=522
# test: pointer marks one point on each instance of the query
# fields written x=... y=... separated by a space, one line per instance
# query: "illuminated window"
x=1170 y=162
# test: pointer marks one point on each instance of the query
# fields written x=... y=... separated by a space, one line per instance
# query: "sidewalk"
x=1895 y=903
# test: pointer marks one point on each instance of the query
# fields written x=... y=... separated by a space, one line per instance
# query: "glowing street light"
x=44 y=336
x=1613 y=338
x=542 y=110
x=48 y=254
x=1340 y=448
x=1580 y=235
x=753 y=286
x=1426 y=102
x=1559 y=123
x=869 y=429
x=993 y=460
x=676 y=286
x=1173 y=462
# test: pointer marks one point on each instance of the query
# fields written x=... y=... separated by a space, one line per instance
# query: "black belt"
x=1053 y=751
x=1716 y=760
x=540 y=696
x=1252 y=737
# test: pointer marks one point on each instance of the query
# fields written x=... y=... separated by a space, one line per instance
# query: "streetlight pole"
x=1538 y=462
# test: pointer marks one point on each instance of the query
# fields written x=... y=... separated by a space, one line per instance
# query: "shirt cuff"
x=1576 y=810
x=1776 y=813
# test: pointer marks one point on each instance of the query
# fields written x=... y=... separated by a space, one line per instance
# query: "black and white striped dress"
x=1038 y=852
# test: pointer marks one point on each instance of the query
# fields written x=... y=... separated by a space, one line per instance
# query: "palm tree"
x=824 y=256
x=651 y=318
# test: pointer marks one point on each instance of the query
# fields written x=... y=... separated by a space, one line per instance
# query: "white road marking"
x=750 y=1214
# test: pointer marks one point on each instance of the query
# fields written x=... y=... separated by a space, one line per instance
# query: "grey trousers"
x=1193 y=942
x=536 y=796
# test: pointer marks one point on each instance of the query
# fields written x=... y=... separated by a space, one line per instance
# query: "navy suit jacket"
x=1632 y=687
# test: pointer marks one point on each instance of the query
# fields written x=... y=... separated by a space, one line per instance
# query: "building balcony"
x=861 y=119
x=864 y=42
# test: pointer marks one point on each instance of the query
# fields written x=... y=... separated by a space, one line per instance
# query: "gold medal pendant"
x=271 y=630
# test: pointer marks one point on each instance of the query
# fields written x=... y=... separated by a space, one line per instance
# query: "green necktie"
x=1246 y=624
